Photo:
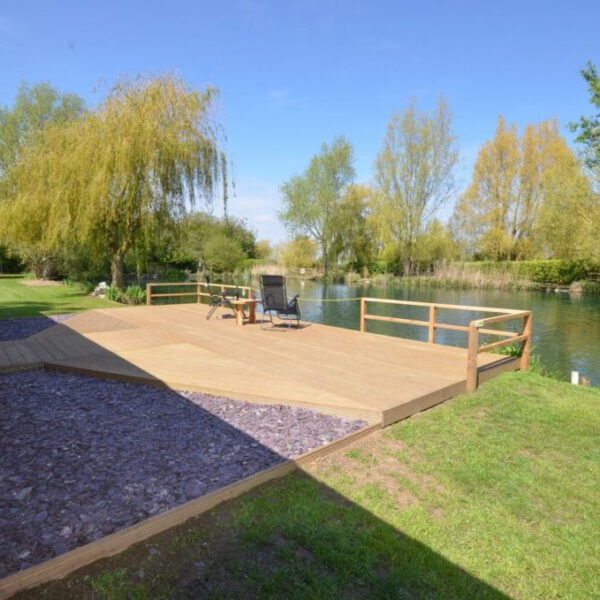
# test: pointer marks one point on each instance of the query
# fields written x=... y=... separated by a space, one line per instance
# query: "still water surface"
x=566 y=328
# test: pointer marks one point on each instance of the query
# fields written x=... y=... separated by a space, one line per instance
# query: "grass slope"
x=491 y=495
x=20 y=300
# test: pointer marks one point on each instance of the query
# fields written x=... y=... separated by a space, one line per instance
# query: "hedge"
x=558 y=271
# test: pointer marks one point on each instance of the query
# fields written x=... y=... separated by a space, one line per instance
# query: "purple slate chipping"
x=81 y=458
x=17 y=329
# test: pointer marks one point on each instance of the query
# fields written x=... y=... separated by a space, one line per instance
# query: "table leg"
x=252 y=312
x=239 y=314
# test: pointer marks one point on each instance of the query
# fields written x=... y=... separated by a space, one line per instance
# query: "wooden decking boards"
x=339 y=371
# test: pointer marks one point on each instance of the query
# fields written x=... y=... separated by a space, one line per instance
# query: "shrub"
x=113 y=293
x=135 y=294
x=591 y=287
x=556 y=271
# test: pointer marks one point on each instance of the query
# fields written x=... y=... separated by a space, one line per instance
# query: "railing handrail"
x=444 y=306
x=475 y=327
x=198 y=289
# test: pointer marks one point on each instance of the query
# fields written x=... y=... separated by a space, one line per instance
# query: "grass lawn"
x=491 y=495
x=20 y=300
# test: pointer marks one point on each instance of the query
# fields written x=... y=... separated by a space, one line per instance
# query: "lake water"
x=566 y=328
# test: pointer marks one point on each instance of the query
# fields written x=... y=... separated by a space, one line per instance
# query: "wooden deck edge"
x=403 y=411
x=372 y=417
x=510 y=363
x=21 y=367
x=412 y=407
x=63 y=565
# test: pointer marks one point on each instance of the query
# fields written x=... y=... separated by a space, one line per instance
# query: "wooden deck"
x=338 y=371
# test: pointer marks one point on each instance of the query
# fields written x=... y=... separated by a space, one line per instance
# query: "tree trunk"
x=116 y=269
x=325 y=261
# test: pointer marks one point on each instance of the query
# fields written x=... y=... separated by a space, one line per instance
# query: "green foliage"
x=34 y=108
x=414 y=176
x=220 y=245
x=560 y=272
x=300 y=252
x=311 y=200
x=117 y=176
x=526 y=197
x=135 y=294
x=355 y=237
x=263 y=250
x=113 y=293
x=10 y=261
x=589 y=128
x=223 y=254
x=382 y=267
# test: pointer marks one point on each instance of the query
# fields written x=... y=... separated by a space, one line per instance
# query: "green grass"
x=19 y=300
x=491 y=495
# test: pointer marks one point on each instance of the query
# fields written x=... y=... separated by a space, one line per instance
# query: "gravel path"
x=81 y=458
x=17 y=329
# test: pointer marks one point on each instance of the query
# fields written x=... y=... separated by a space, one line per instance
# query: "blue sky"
x=294 y=74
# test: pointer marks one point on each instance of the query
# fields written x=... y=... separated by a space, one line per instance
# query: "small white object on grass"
x=575 y=377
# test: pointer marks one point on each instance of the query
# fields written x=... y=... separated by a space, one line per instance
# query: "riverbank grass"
x=490 y=495
x=20 y=300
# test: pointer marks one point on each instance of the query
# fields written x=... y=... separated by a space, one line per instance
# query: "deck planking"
x=378 y=378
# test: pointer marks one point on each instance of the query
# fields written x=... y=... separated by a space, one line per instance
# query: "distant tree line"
x=530 y=197
x=128 y=186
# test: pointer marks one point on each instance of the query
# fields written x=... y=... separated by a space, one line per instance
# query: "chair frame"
x=222 y=299
x=284 y=311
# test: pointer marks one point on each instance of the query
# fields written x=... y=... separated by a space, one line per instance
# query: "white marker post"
x=575 y=377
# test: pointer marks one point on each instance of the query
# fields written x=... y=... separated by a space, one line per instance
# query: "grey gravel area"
x=17 y=329
x=81 y=458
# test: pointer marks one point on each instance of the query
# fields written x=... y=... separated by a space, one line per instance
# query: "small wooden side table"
x=239 y=310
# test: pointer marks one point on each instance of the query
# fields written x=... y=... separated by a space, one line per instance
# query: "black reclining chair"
x=274 y=300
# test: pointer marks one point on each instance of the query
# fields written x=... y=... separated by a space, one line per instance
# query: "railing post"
x=363 y=312
x=432 y=317
x=527 y=344
x=472 y=357
x=148 y=294
x=198 y=296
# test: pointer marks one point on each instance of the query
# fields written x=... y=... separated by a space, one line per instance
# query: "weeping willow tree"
x=119 y=174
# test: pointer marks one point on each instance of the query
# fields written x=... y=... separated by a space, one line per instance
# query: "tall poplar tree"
x=521 y=201
x=414 y=175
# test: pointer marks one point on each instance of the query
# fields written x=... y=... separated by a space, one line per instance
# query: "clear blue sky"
x=294 y=74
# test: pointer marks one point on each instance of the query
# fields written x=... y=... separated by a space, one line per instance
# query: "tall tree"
x=119 y=173
x=310 y=200
x=355 y=237
x=521 y=184
x=589 y=128
x=413 y=174
x=34 y=107
x=589 y=135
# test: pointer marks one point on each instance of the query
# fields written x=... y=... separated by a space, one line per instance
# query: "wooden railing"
x=474 y=329
x=200 y=290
